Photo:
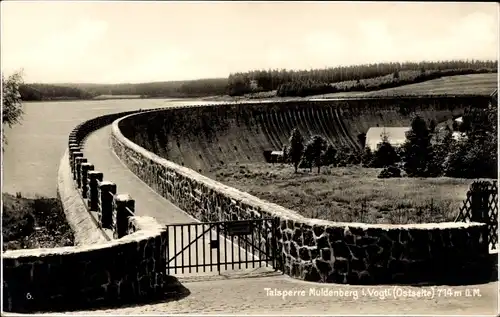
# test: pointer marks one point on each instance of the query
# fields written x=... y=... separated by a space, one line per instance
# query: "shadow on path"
x=173 y=291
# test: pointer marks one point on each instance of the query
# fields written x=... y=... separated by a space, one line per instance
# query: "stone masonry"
x=71 y=277
x=311 y=249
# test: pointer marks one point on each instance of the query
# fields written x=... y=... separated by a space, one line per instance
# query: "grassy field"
x=477 y=84
x=352 y=194
x=481 y=84
x=34 y=223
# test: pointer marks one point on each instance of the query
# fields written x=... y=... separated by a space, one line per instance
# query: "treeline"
x=177 y=89
x=267 y=80
x=173 y=89
x=41 y=92
x=427 y=151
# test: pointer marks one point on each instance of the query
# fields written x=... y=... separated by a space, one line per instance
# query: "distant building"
x=273 y=156
x=395 y=135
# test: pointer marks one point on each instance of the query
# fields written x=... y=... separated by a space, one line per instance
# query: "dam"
x=203 y=138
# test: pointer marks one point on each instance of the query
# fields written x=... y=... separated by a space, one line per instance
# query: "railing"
x=113 y=210
x=481 y=205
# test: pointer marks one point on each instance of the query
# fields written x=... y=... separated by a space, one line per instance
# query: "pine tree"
x=315 y=149
x=296 y=148
x=417 y=149
x=386 y=154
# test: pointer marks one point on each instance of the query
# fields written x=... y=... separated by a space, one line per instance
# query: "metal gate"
x=223 y=246
x=481 y=205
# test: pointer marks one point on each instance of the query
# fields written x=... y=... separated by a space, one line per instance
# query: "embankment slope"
x=202 y=138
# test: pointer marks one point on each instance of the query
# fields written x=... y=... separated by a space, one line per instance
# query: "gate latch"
x=214 y=244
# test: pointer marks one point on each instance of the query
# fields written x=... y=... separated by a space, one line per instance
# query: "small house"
x=396 y=136
x=273 y=156
x=276 y=156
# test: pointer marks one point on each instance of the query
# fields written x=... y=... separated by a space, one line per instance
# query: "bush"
x=34 y=223
x=390 y=172
x=367 y=158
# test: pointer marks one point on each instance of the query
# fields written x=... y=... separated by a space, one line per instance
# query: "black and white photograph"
x=249 y=158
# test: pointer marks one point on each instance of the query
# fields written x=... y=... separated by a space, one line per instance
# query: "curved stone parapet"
x=71 y=277
x=95 y=272
x=312 y=249
x=84 y=227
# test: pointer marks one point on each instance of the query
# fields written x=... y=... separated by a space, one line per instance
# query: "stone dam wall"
x=208 y=137
x=131 y=266
x=312 y=249
x=95 y=272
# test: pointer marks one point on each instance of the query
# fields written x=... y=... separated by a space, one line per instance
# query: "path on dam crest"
x=245 y=292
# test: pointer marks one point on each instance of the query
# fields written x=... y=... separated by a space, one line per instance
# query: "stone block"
x=124 y=208
x=107 y=190
x=84 y=178
x=94 y=178
x=78 y=169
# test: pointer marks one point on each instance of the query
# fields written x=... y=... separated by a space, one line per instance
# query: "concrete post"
x=85 y=168
x=124 y=208
x=73 y=149
x=78 y=165
x=73 y=162
x=93 y=180
x=107 y=190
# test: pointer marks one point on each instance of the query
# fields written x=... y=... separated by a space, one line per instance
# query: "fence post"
x=73 y=162
x=72 y=140
x=124 y=207
x=107 y=191
x=72 y=150
x=94 y=178
x=78 y=166
x=479 y=202
x=85 y=168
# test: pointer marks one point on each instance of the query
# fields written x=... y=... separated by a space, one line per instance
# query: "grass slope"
x=352 y=194
x=34 y=223
x=476 y=84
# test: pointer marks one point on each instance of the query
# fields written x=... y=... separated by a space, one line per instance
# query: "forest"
x=299 y=83
x=366 y=77
x=175 y=89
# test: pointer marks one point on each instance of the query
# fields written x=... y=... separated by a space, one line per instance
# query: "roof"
x=279 y=153
x=396 y=136
x=459 y=120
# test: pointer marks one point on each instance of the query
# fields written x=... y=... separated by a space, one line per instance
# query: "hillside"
x=475 y=84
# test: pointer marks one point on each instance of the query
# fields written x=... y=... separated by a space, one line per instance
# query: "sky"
x=130 y=42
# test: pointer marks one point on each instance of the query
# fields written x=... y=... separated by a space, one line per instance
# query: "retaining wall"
x=311 y=249
x=96 y=272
